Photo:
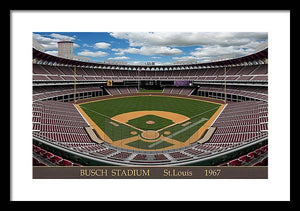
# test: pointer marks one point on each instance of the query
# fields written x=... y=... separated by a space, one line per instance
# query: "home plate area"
x=150 y=127
x=155 y=129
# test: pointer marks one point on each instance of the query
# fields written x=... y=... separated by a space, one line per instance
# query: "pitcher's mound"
x=150 y=122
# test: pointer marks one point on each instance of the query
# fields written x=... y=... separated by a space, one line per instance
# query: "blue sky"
x=158 y=47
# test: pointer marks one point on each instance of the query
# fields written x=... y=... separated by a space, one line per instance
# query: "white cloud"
x=217 y=51
x=62 y=37
x=208 y=45
x=49 y=42
x=177 y=39
x=87 y=45
x=54 y=53
x=92 y=54
x=119 y=58
x=75 y=45
x=102 y=45
x=137 y=62
x=185 y=58
x=46 y=42
x=149 y=51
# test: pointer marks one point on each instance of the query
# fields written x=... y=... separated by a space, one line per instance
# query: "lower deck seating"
x=178 y=90
x=255 y=158
x=43 y=157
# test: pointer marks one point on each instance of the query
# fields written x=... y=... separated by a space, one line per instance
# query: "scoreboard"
x=109 y=83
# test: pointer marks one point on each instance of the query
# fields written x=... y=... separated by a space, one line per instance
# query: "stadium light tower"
x=74 y=84
x=139 y=70
x=225 y=86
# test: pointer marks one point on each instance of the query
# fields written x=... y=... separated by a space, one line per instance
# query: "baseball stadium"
x=88 y=113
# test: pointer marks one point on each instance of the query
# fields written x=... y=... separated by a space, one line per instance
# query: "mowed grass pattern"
x=101 y=112
x=184 y=106
x=182 y=133
x=108 y=126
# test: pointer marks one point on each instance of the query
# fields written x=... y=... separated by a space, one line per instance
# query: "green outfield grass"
x=101 y=112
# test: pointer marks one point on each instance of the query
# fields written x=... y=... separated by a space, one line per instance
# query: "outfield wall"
x=144 y=94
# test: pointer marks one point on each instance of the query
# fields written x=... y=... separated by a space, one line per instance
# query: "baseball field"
x=150 y=122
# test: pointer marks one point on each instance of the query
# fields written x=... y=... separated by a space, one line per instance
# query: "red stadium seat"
x=65 y=162
x=245 y=158
x=264 y=161
x=37 y=149
x=36 y=162
x=42 y=152
x=264 y=149
x=235 y=162
x=258 y=152
x=48 y=155
x=252 y=155
x=56 y=159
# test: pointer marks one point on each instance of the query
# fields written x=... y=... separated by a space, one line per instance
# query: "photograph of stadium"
x=150 y=99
